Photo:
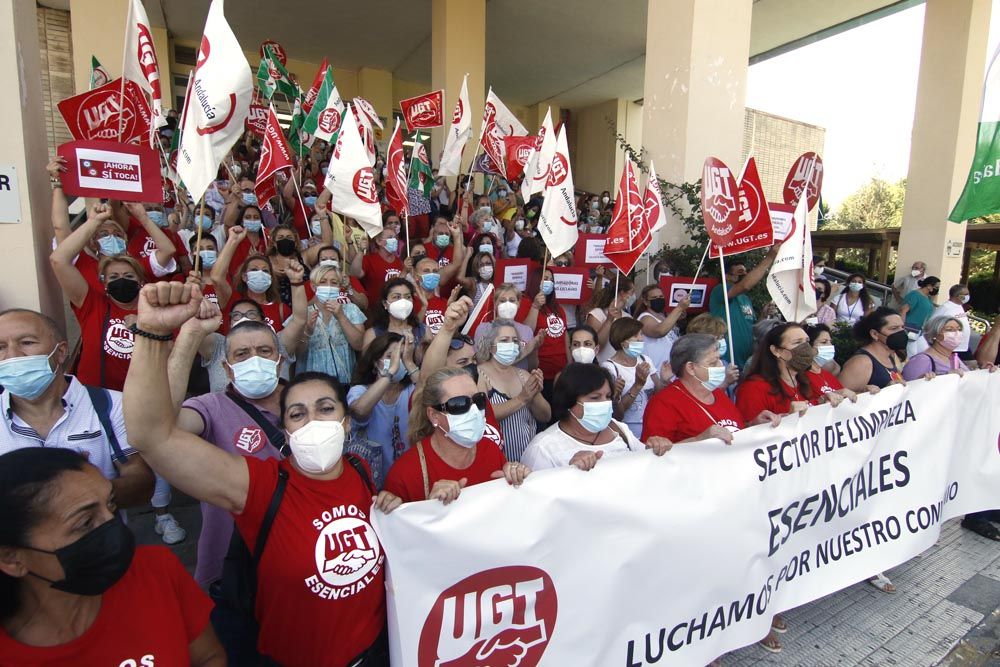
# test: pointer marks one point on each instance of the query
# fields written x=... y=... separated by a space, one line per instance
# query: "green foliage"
x=875 y=205
x=984 y=293
x=843 y=341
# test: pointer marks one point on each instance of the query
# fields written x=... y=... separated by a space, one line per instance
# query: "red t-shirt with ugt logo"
x=106 y=338
x=321 y=581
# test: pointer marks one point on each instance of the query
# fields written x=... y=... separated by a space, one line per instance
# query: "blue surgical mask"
x=716 y=377
x=316 y=226
x=255 y=377
x=400 y=372
x=252 y=224
x=825 y=354
x=258 y=281
x=547 y=287
x=442 y=240
x=723 y=346
x=158 y=218
x=206 y=223
x=27 y=377
x=506 y=353
x=596 y=415
x=486 y=247
x=391 y=245
x=430 y=281
x=467 y=429
x=488 y=225
x=111 y=245
x=208 y=258
x=855 y=287
x=635 y=349
x=310 y=201
x=326 y=293
x=249 y=198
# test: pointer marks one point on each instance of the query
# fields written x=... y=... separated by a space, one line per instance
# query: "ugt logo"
x=718 y=195
x=502 y=617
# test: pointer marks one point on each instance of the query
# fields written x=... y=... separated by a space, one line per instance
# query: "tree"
x=876 y=205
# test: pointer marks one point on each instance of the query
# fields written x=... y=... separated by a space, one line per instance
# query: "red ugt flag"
x=424 y=111
x=396 y=178
x=274 y=156
x=628 y=234
x=518 y=150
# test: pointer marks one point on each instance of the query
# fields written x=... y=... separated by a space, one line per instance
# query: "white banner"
x=679 y=559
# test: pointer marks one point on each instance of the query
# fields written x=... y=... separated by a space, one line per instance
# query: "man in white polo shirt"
x=42 y=407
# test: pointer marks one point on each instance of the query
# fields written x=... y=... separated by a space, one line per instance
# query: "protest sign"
x=108 y=169
x=782 y=216
x=797 y=512
x=590 y=250
x=512 y=271
x=676 y=288
x=571 y=284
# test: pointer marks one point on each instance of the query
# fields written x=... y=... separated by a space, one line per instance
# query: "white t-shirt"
x=658 y=349
x=951 y=309
x=553 y=448
x=634 y=414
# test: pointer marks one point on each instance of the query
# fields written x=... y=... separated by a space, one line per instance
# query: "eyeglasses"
x=562 y=263
x=459 y=341
x=459 y=405
x=236 y=316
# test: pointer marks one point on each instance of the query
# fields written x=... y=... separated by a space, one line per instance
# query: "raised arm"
x=989 y=348
x=654 y=329
x=194 y=466
x=755 y=275
x=165 y=249
x=292 y=332
x=60 y=207
x=220 y=270
x=436 y=354
x=73 y=284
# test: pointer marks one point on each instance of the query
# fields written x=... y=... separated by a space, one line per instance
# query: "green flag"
x=323 y=121
x=298 y=138
x=981 y=195
x=272 y=77
x=421 y=176
x=98 y=75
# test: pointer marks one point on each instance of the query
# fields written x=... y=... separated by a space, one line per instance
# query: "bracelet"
x=151 y=336
x=56 y=185
x=295 y=284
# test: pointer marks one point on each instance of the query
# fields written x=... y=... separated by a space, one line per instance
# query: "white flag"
x=459 y=133
x=350 y=178
x=219 y=107
x=141 y=64
x=790 y=282
x=557 y=222
x=653 y=202
x=537 y=170
x=498 y=122
x=365 y=130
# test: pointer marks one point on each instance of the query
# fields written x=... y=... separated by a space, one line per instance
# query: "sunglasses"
x=460 y=340
x=562 y=263
x=459 y=405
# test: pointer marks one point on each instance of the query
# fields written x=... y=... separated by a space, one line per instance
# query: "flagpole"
x=409 y=172
x=197 y=243
x=121 y=95
x=725 y=296
x=702 y=263
x=302 y=204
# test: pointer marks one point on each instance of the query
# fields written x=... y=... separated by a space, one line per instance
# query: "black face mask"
x=285 y=247
x=123 y=290
x=96 y=561
x=657 y=305
x=897 y=341
x=935 y=291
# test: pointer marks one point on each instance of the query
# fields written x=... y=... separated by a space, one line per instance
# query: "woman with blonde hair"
x=335 y=328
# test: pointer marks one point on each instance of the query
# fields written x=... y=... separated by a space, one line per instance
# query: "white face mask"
x=916 y=273
x=506 y=310
x=584 y=355
x=318 y=446
x=486 y=271
x=401 y=308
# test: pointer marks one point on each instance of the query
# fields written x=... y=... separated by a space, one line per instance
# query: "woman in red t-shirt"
x=546 y=315
x=448 y=425
x=321 y=591
x=255 y=281
x=92 y=597
x=777 y=379
x=826 y=386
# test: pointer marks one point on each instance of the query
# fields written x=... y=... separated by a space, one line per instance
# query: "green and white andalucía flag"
x=981 y=195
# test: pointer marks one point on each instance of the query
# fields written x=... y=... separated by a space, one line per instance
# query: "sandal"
x=881 y=582
x=981 y=527
x=778 y=624
x=771 y=643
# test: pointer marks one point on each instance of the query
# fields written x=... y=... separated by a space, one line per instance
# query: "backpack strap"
x=265 y=525
x=101 y=400
x=274 y=434
x=355 y=462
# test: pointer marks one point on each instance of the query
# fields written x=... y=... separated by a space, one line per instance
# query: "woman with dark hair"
x=659 y=327
x=822 y=374
x=284 y=252
x=584 y=430
x=299 y=624
x=583 y=344
x=825 y=314
x=546 y=316
x=777 y=379
x=854 y=301
x=255 y=281
x=917 y=305
x=605 y=306
x=207 y=252
x=451 y=450
x=92 y=596
x=251 y=239
x=635 y=379
x=395 y=313
x=478 y=274
x=379 y=397
x=878 y=362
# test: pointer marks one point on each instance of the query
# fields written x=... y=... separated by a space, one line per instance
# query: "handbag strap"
x=423 y=470
x=272 y=511
x=274 y=434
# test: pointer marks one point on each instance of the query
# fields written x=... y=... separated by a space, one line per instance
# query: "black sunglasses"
x=460 y=340
x=459 y=405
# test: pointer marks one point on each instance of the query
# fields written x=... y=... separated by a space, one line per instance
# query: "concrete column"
x=25 y=277
x=375 y=85
x=98 y=28
x=458 y=47
x=949 y=87
x=695 y=88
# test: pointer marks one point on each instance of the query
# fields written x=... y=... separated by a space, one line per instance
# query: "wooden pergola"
x=881 y=242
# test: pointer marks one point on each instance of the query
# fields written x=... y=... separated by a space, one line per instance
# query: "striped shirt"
x=78 y=428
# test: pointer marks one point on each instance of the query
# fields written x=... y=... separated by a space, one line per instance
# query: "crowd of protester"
x=277 y=362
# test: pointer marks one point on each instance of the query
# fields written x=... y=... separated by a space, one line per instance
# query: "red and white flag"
x=536 y=172
x=141 y=64
x=790 y=282
x=754 y=228
x=518 y=150
x=498 y=122
x=310 y=98
x=628 y=234
x=481 y=312
x=102 y=113
x=652 y=203
x=459 y=133
x=366 y=108
x=257 y=119
x=366 y=131
x=274 y=157
x=351 y=181
x=395 y=180
x=216 y=117
x=423 y=111
x=557 y=221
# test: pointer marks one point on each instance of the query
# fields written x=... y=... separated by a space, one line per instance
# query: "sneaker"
x=167 y=526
